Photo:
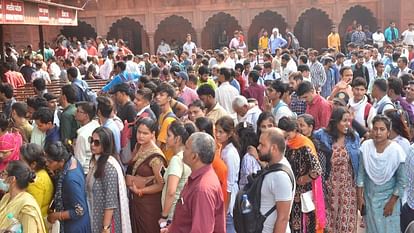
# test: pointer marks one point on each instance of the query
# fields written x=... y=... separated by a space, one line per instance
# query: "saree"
x=25 y=209
x=145 y=210
x=296 y=143
x=10 y=142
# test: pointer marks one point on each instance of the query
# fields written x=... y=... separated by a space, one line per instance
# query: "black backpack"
x=253 y=221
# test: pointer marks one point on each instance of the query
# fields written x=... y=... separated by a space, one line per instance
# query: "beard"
x=265 y=157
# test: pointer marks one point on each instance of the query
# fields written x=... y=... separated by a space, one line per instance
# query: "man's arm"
x=282 y=219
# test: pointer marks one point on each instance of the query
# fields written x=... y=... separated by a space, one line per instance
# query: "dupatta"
x=302 y=141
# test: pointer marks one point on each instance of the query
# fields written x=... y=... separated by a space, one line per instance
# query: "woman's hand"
x=302 y=180
x=52 y=217
x=253 y=151
x=360 y=203
x=389 y=207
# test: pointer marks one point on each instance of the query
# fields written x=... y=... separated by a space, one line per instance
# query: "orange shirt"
x=221 y=170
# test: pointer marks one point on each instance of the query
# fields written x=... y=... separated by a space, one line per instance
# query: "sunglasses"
x=94 y=142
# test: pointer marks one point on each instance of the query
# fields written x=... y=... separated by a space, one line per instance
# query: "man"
x=292 y=41
x=132 y=66
x=317 y=106
x=204 y=77
x=305 y=70
x=225 y=93
x=214 y=110
x=339 y=62
x=408 y=35
x=142 y=101
x=277 y=188
x=189 y=46
x=27 y=69
x=125 y=107
x=382 y=101
x=15 y=79
x=378 y=38
x=7 y=97
x=402 y=64
x=255 y=90
x=269 y=74
x=391 y=33
x=353 y=60
x=276 y=41
x=40 y=73
x=358 y=103
x=331 y=77
x=44 y=122
x=334 y=40
x=122 y=76
x=18 y=116
x=235 y=42
x=80 y=52
x=52 y=104
x=85 y=115
x=106 y=68
x=163 y=48
x=360 y=70
x=245 y=112
x=164 y=93
x=201 y=206
x=196 y=110
x=90 y=49
x=395 y=91
x=68 y=124
x=275 y=92
x=79 y=85
x=297 y=105
x=104 y=112
x=285 y=70
x=358 y=37
x=187 y=94
x=316 y=69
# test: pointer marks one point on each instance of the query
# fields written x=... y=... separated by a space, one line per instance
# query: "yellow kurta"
x=334 y=41
x=42 y=191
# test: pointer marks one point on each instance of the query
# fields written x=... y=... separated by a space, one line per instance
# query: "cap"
x=123 y=87
x=49 y=96
x=182 y=75
x=342 y=96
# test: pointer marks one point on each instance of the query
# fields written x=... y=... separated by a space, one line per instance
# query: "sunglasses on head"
x=94 y=142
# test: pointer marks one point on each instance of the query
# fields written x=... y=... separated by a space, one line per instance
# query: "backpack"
x=131 y=82
x=84 y=93
x=294 y=42
x=366 y=113
x=253 y=221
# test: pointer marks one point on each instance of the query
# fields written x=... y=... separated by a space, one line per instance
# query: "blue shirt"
x=121 y=78
x=278 y=42
x=235 y=84
x=110 y=124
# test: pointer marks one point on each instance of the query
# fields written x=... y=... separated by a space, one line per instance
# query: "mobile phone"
x=363 y=211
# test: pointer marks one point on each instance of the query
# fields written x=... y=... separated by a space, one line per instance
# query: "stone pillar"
x=151 y=42
x=101 y=25
x=199 y=38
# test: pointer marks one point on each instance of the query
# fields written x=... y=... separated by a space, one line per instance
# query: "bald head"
x=275 y=136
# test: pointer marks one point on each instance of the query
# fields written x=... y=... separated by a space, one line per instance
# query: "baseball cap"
x=182 y=75
x=123 y=87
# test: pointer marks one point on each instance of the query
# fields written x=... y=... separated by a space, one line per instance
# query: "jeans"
x=230 y=224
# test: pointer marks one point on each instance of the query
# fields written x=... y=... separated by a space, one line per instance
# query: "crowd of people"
x=169 y=141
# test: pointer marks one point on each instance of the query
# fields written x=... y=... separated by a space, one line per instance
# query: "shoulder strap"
x=382 y=106
x=274 y=168
x=366 y=110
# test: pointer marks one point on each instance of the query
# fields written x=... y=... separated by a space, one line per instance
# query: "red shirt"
x=321 y=110
x=242 y=83
x=15 y=79
x=61 y=52
x=256 y=91
x=92 y=51
x=200 y=208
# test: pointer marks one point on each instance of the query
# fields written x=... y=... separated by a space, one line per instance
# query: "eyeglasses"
x=94 y=142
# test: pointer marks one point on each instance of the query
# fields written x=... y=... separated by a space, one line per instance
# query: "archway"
x=83 y=30
x=132 y=32
x=266 y=20
x=174 y=28
x=313 y=28
x=214 y=29
x=362 y=15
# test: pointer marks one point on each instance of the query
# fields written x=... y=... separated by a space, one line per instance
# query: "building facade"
x=143 y=23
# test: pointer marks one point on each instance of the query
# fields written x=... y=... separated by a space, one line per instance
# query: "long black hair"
x=227 y=124
x=107 y=143
x=247 y=137
x=205 y=124
x=32 y=152
x=262 y=117
x=21 y=171
x=398 y=123
x=336 y=117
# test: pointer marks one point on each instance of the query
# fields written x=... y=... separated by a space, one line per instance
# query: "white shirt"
x=379 y=39
x=225 y=95
x=231 y=158
x=405 y=71
x=276 y=187
x=41 y=74
x=132 y=67
x=230 y=63
x=106 y=69
x=163 y=48
x=82 y=53
x=189 y=47
x=375 y=107
x=82 y=149
x=251 y=117
x=408 y=37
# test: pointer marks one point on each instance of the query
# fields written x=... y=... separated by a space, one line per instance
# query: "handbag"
x=306 y=201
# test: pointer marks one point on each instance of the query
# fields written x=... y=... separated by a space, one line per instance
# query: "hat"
x=182 y=75
x=123 y=87
x=342 y=96
x=49 y=96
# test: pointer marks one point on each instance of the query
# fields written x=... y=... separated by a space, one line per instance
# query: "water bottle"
x=16 y=226
x=246 y=207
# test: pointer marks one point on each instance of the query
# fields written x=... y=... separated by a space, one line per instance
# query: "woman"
x=206 y=125
x=301 y=154
x=10 y=143
x=105 y=186
x=381 y=179
x=42 y=188
x=306 y=125
x=400 y=132
x=144 y=179
x=248 y=142
x=70 y=205
x=18 y=202
x=177 y=172
x=341 y=169
x=266 y=120
x=225 y=135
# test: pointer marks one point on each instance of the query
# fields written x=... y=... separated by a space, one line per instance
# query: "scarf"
x=58 y=198
x=320 y=216
x=359 y=109
x=23 y=203
x=10 y=142
x=381 y=167
x=141 y=156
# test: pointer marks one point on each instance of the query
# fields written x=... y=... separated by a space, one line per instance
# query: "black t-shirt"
x=27 y=72
x=127 y=112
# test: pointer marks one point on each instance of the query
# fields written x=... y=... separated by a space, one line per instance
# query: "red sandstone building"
x=142 y=24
